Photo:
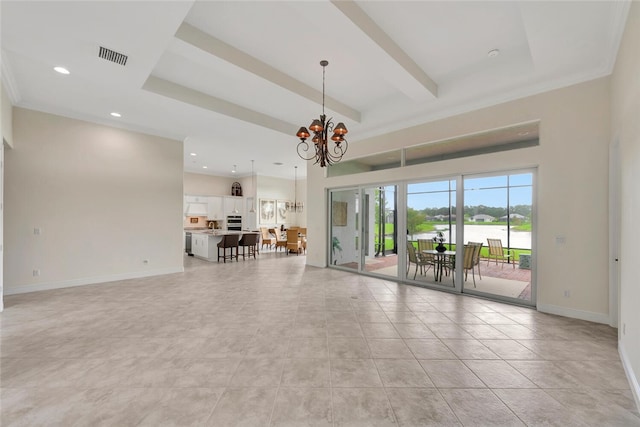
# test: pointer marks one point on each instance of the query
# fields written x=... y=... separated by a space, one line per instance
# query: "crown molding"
x=8 y=81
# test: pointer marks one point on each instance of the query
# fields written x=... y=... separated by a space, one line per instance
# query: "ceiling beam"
x=193 y=97
x=352 y=11
x=193 y=36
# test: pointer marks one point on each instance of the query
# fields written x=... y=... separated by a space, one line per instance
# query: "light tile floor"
x=272 y=342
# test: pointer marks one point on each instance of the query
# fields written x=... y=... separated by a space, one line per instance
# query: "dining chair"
x=293 y=242
x=280 y=242
x=497 y=252
x=302 y=232
x=267 y=239
x=229 y=241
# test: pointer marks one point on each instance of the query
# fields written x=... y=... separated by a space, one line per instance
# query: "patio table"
x=441 y=258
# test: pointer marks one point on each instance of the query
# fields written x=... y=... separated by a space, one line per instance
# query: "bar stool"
x=249 y=241
x=228 y=241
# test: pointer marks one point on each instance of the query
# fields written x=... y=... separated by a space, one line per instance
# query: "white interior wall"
x=572 y=162
x=283 y=189
x=103 y=200
x=625 y=94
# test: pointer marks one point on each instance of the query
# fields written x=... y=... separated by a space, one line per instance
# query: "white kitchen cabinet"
x=200 y=245
x=216 y=210
x=195 y=205
x=205 y=245
x=232 y=203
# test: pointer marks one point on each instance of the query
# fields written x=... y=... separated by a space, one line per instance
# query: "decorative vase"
x=441 y=247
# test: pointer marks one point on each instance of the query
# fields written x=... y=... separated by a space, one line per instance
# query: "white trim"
x=573 y=313
x=8 y=80
x=631 y=376
x=312 y=264
x=614 y=231
x=89 y=281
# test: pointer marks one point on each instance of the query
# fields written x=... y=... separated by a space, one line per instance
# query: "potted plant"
x=439 y=239
x=335 y=244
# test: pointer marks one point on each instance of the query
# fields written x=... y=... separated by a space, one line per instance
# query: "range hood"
x=197 y=209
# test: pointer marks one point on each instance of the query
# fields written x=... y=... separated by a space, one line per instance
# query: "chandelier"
x=321 y=129
x=296 y=206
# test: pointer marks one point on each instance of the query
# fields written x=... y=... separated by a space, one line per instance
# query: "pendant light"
x=253 y=190
x=296 y=206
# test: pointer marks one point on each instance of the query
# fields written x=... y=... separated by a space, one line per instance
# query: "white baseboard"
x=312 y=264
x=631 y=376
x=89 y=281
x=573 y=313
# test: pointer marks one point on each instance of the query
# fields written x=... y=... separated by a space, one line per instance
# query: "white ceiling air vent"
x=113 y=56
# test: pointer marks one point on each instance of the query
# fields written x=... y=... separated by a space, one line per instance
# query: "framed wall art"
x=339 y=214
x=281 y=211
x=267 y=211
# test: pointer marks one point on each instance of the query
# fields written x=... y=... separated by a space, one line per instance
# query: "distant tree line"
x=496 y=212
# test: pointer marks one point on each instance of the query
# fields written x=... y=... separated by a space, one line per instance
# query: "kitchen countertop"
x=216 y=232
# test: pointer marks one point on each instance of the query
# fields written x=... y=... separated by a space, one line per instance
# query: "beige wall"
x=625 y=95
x=105 y=200
x=211 y=185
x=572 y=162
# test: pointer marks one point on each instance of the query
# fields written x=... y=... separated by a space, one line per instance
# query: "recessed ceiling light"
x=114 y=114
x=278 y=163
x=523 y=133
x=61 y=70
x=192 y=154
x=493 y=53
x=204 y=167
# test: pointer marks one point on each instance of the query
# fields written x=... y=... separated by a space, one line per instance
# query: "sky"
x=487 y=191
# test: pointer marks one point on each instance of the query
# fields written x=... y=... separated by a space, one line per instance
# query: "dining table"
x=441 y=259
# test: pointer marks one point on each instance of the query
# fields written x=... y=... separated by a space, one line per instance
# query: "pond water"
x=480 y=233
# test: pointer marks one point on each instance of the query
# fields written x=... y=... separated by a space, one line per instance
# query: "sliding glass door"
x=380 y=229
x=364 y=230
x=431 y=232
x=498 y=214
x=469 y=234
x=344 y=240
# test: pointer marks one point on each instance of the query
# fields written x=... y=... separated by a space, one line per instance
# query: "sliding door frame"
x=401 y=209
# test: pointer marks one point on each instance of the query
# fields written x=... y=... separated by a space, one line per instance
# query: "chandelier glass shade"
x=324 y=153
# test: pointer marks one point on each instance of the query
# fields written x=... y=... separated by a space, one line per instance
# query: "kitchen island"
x=204 y=244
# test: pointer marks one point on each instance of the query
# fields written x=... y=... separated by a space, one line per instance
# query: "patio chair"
x=476 y=260
x=414 y=258
x=429 y=259
x=497 y=252
x=468 y=259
